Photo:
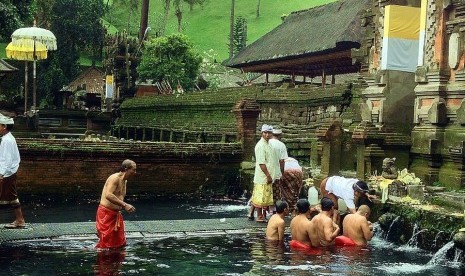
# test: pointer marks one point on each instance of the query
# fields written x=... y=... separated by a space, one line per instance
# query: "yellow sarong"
x=262 y=195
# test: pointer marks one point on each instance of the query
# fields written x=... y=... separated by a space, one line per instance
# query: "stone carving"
x=437 y=114
x=454 y=50
x=365 y=112
x=389 y=170
x=461 y=113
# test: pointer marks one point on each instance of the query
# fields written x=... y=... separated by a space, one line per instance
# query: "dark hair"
x=303 y=205
x=360 y=186
x=281 y=205
x=326 y=204
x=9 y=127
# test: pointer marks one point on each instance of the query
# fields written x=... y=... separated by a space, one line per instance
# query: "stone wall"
x=208 y=117
x=49 y=166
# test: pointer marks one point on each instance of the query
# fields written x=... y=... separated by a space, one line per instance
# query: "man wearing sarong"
x=109 y=220
x=291 y=183
x=9 y=164
x=262 y=195
x=278 y=156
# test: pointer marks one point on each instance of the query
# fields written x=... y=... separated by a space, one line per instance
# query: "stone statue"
x=389 y=170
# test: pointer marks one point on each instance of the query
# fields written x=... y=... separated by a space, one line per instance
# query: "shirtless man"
x=326 y=229
x=109 y=221
x=357 y=227
x=303 y=232
x=275 y=227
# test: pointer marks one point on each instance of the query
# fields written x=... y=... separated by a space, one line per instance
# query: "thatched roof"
x=5 y=67
x=91 y=80
x=307 y=39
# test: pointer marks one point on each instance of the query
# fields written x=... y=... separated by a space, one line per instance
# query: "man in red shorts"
x=109 y=221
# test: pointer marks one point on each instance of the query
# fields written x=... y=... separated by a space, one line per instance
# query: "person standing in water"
x=109 y=221
x=326 y=229
x=357 y=227
x=276 y=224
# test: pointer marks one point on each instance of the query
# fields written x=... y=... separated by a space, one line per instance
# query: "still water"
x=244 y=254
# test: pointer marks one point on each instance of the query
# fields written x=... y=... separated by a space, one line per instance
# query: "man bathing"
x=276 y=224
x=357 y=227
x=326 y=229
x=109 y=221
x=303 y=234
x=348 y=189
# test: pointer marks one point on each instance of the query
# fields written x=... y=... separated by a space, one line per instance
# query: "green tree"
x=239 y=35
x=77 y=27
x=172 y=59
x=192 y=3
x=13 y=15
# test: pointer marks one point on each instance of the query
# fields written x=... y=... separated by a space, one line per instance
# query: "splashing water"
x=390 y=227
x=413 y=241
x=441 y=256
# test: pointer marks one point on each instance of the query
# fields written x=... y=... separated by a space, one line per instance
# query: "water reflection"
x=246 y=254
x=109 y=262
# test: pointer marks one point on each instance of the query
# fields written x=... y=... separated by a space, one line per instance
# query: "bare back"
x=357 y=228
x=115 y=187
x=275 y=228
x=303 y=230
x=326 y=229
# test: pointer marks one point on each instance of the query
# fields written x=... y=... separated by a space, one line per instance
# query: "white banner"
x=109 y=86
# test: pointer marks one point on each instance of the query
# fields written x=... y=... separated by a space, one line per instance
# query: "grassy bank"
x=208 y=26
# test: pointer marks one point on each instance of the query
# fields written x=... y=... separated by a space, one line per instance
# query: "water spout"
x=243 y=196
x=413 y=241
x=386 y=237
x=441 y=256
x=436 y=238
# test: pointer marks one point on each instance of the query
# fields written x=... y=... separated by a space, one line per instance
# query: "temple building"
x=409 y=56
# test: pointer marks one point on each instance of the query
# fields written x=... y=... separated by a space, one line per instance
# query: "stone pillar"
x=369 y=152
x=330 y=135
x=246 y=112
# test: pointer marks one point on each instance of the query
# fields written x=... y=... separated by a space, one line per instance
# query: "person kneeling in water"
x=276 y=224
x=357 y=227
x=303 y=232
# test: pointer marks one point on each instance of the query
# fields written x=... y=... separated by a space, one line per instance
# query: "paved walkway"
x=134 y=229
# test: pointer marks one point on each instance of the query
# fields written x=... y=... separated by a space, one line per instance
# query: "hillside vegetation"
x=208 y=26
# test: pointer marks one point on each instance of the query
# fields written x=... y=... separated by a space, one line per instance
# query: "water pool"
x=245 y=254
x=61 y=209
x=215 y=254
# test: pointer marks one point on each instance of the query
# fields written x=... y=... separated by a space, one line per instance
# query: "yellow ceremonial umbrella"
x=31 y=37
x=24 y=50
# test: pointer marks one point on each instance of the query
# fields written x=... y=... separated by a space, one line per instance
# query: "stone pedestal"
x=369 y=152
x=246 y=112
x=330 y=135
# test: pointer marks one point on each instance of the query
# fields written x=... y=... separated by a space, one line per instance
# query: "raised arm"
x=330 y=230
x=367 y=229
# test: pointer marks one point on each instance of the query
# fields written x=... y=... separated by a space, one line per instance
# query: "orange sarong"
x=110 y=228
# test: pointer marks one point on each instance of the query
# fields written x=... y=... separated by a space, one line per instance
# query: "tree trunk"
x=231 y=30
x=179 y=16
x=161 y=29
x=258 y=9
x=144 y=18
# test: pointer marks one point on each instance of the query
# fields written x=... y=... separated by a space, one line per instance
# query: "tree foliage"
x=239 y=35
x=77 y=27
x=171 y=59
x=13 y=15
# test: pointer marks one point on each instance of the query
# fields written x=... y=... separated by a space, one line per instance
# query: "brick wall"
x=57 y=167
